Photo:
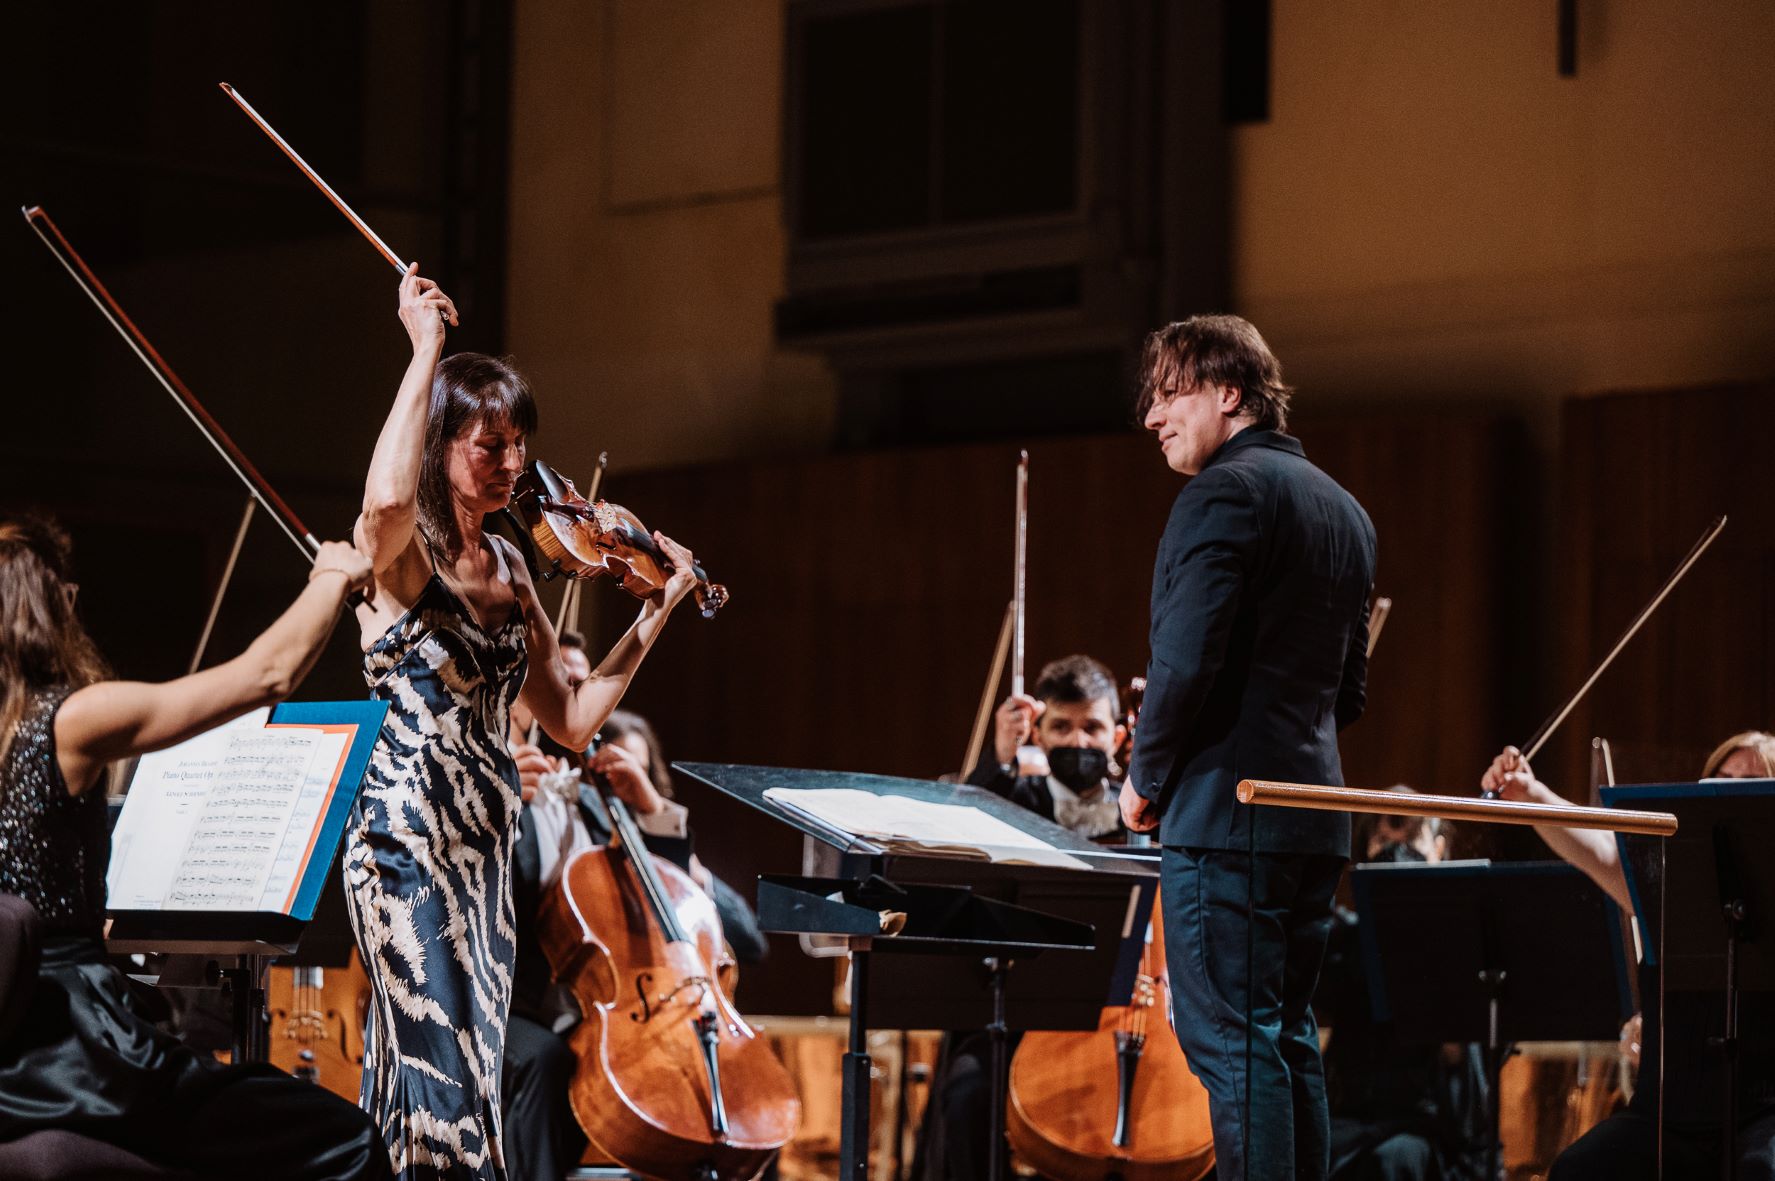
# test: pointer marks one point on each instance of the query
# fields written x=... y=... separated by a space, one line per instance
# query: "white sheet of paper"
x=222 y=821
x=903 y=818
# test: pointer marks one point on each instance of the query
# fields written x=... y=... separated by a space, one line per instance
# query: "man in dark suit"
x=1258 y=657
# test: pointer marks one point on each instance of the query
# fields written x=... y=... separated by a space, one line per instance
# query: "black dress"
x=85 y=1060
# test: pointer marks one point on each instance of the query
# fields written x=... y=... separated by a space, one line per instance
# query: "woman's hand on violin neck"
x=683 y=577
x=424 y=308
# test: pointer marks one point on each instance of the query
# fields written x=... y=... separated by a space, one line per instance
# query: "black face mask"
x=1079 y=767
x=1395 y=853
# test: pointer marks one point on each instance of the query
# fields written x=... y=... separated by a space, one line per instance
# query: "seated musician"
x=1625 y=1146
x=1398 y=1112
x=1074 y=718
x=81 y=1058
x=561 y=816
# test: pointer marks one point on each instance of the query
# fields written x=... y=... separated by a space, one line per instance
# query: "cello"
x=1064 y=1119
x=671 y=1082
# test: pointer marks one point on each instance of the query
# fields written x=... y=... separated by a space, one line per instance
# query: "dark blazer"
x=530 y=975
x=1259 y=647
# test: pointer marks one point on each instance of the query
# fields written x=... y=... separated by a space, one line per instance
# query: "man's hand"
x=1138 y=813
x=627 y=778
x=1014 y=725
x=532 y=766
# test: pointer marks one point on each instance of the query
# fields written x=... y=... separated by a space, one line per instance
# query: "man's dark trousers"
x=1233 y=980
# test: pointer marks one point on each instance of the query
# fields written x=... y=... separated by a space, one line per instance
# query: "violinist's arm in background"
x=386 y=532
x=1592 y=851
x=120 y=719
x=572 y=713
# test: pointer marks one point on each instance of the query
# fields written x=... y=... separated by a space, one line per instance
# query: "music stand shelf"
x=307 y=844
x=934 y=933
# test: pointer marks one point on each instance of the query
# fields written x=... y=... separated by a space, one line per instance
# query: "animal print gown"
x=428 y=886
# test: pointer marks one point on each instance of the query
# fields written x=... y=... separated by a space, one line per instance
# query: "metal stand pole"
x=1000 y=1035
x=853 y=1134
x=1493 y=979
x=246 y=983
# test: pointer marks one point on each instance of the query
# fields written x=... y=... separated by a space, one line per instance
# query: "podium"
x=225 y=842
x=1032 y=930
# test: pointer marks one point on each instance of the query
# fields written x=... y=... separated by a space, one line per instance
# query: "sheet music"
x=940 y=828
x=225 y=820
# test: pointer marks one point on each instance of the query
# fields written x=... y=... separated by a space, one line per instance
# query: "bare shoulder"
x=398 y=587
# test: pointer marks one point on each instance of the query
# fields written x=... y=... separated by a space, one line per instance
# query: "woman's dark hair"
x=1215 y=350
x=42 y=644
x=468 y=389
x=620 y=724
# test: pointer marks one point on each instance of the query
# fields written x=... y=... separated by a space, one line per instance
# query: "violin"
x=672 y=1082
x=580 y=538
x=1068 y=1120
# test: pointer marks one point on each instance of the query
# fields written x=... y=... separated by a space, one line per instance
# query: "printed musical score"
x=225 y=820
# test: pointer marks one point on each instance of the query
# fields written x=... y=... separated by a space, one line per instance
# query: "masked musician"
x=1075 y=719
x=78 y=1061
x=1259 y=625
x=456 y=635
x=1625 y=1146
x=563 y=815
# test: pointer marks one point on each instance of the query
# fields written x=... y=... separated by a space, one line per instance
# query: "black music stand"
x=949 y=927
x=200 y=943
x=1706 y=906
x=1471 y=951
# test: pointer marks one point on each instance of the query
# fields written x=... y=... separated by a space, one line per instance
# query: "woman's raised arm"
x=573 y=714
x=391 y=491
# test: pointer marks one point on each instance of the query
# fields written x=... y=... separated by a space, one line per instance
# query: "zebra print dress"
x=428 y=886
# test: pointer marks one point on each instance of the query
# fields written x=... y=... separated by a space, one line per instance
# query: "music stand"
x=1488 y=976
x=269 y=919
x=1705 y=914
x=950 y=924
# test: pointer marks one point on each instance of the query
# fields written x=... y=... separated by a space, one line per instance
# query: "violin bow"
x=261 y=489
x=1539 y=739
x=209 y=624
x=977 y=740
x=567 y=619
x=1018 y=600
x=363 y=227
x=1377 y=619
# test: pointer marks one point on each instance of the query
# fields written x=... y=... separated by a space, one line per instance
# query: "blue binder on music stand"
x=256 y=833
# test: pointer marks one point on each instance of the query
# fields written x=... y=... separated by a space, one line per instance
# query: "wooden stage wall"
x=1642 y=475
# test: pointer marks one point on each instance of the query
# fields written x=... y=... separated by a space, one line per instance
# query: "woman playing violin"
x=454 y=635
